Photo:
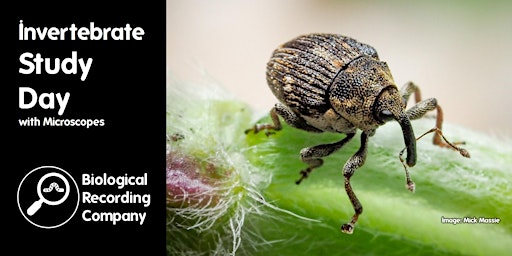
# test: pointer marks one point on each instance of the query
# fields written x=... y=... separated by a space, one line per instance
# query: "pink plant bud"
x=188 y=182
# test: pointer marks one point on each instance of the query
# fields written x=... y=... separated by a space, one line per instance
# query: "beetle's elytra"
x=333 y=83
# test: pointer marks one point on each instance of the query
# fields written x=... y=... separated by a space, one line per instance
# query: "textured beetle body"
x=333 y=83
x=309 y=76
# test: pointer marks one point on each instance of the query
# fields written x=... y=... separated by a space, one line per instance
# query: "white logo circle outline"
x=77 y=202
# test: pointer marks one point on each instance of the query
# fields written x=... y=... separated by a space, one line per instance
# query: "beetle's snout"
x=389 y=106
x=409 y=139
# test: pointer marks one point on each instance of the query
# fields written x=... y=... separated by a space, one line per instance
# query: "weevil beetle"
x=333 y=83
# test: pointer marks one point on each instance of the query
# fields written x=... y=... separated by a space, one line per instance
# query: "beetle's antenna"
x=410 y=184
x=462 y=151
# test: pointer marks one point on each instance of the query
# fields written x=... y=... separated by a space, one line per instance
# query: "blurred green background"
x=457 y=51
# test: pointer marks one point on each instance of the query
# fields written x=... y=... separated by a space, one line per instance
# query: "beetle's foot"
x=269 y=129
x=268 y=133
x=347 y=228
x=254 y=130
x=247 y=131
x=304 y=174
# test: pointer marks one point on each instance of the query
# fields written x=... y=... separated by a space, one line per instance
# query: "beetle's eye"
x=385 y=115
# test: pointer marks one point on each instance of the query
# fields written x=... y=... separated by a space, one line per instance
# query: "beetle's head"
x=365 y=94
x=389 y=106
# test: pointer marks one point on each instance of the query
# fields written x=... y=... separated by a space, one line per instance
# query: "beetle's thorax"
x=356 y=89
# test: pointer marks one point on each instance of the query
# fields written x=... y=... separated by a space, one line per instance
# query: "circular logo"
x=48 y=197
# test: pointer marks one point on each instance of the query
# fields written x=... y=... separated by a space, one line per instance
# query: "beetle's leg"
x=356 y=161
x=294 y=120
x=275 y=126
x=408 y=89
x=312 y=155
x=439 y=139
x=289 y=117
x=422 y=107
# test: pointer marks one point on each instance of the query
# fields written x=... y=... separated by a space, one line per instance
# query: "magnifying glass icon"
x=37 y=204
